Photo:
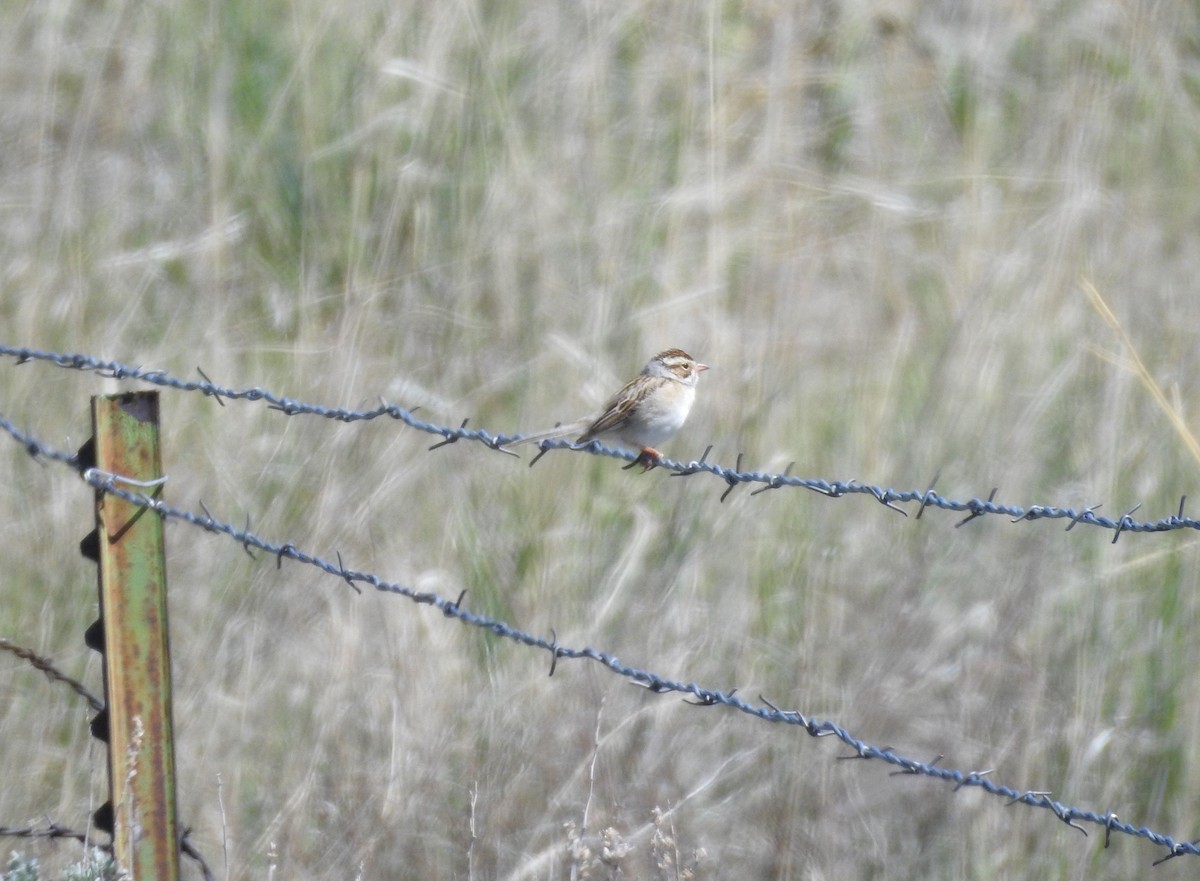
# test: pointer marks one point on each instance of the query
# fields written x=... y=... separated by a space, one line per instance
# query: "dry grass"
x=876 y=221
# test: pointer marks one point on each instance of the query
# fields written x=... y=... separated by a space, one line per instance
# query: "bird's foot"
x=647 y=458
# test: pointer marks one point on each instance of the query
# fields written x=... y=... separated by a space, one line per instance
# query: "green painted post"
x=137 y=661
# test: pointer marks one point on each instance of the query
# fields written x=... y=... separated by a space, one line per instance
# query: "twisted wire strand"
x=53 y=830
x=52 y=672
x=50 y=830
x=732 y=477
x=653 y=682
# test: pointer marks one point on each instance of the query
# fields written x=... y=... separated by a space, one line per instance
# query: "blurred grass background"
x=872 y=219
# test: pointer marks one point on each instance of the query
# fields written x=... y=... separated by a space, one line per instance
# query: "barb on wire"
x=973 y=776
x=553 y=649
x=462 y=595
x=1125 y=522
x=776 y=480
x=978 y=509
x=731 y=479
x=209 y=381
x=889 y=498
x=707 y=702
x=189 y=850
x=929 y=495
x=653 y=682
x=1076 y=518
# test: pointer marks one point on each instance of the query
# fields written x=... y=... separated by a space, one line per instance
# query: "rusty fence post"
x=132 y=634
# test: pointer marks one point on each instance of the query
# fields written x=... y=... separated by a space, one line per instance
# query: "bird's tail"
x=573 y=429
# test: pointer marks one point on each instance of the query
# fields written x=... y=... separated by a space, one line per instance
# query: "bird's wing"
x=615 y=410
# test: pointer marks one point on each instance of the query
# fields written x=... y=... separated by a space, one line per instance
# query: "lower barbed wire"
x=653 y=682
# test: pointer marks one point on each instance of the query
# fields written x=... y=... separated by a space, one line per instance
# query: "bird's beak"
x=700 y=368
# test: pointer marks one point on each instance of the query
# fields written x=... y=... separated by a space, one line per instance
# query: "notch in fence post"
x=137 y=662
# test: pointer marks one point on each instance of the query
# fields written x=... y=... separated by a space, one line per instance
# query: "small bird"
x=647 y=410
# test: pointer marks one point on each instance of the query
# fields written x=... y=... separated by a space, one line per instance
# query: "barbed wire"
x=52 y=672
x=698 y=695
x=53 y=830
x=733 y=477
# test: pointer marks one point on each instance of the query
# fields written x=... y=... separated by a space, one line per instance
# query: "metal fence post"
x=132 y=631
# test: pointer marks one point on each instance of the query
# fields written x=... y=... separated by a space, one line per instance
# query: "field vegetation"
x=878 y=222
